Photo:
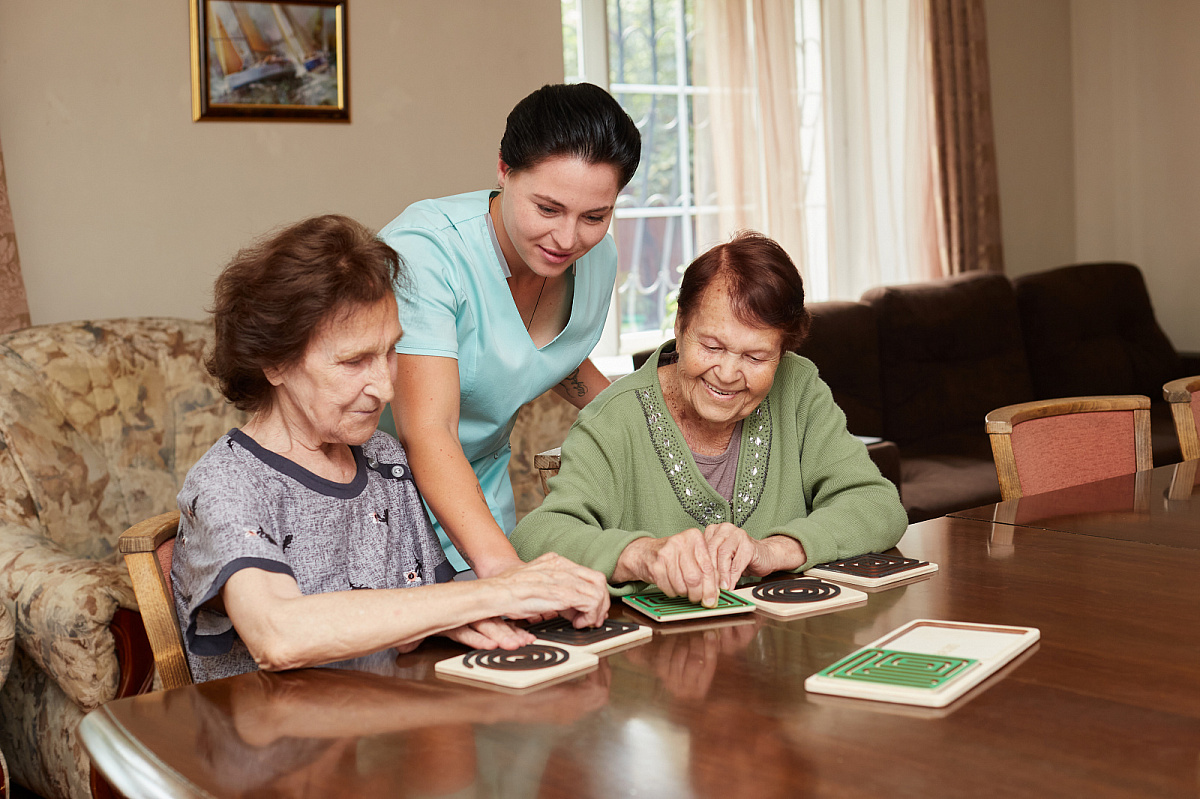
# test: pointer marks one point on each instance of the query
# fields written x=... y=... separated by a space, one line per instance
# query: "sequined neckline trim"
x=694 y=493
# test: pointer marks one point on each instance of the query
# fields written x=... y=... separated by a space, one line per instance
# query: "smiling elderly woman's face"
x=726 y=367
x=338 y=390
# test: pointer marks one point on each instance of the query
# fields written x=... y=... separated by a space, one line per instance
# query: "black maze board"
x=517 y=668
x=926 y=662
x=610 y=635
x=800 y=596
x=872 y=569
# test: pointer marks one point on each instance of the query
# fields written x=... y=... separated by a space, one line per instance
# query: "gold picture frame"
x=270 y=61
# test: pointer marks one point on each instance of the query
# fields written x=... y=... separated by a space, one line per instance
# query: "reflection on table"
x=1160 y=506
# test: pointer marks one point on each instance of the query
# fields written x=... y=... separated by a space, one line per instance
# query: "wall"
x=1137 y=158
x=1097 y=120
x=1029 y=57
x=124 y=206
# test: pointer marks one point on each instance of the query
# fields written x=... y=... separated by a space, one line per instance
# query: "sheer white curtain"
x=882 y=195
x=746 y=56
x=844 y=175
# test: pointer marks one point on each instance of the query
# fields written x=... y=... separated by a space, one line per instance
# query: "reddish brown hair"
x=764 y=285
x=276 y=293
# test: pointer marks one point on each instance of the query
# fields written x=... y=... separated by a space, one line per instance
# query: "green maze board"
x=661 y=607
x=889 y=667
x=927 y=662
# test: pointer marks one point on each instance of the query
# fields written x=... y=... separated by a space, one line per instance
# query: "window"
x=705 y=77
x=648 y=68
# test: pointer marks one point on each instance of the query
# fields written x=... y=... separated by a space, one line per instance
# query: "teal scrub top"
x=455 y=303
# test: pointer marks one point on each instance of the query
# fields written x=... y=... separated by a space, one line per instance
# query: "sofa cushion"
x=844 y=344
x=1090 y=329
x=950 y=351
x=937 y=484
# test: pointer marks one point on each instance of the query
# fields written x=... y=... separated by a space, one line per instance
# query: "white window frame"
x=593 y=61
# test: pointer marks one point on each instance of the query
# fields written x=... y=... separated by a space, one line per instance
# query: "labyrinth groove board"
x=661 y=607
x=801 y=596
x=926 y=662
x=517 y=668
x=872 y=569
x=610 y=635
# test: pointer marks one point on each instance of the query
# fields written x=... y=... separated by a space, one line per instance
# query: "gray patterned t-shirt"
x=243 y=506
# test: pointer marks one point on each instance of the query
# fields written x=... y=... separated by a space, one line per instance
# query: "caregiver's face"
x=557 y=210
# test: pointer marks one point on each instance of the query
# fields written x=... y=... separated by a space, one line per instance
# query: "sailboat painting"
x=269 y=60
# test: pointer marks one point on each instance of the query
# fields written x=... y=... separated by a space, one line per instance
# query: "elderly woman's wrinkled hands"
x=680 y=565
x=735 y=553
x=699 y=564
x=551 y=585
x=490 y=634
x=732 y=550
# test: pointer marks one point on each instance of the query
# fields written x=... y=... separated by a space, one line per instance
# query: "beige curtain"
x=749 y=132
x=859 y=86
x=880 y=160
x=14 y=307
x=969 y=190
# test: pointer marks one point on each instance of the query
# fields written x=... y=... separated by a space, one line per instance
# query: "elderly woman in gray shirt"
x=302 y=539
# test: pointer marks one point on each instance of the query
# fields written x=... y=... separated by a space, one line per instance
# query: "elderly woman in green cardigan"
x=724 y=455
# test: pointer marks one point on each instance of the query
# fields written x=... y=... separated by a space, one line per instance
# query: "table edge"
x=128 y=765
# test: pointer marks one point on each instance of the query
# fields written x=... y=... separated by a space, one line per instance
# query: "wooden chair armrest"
x=1181 y=390
x=1002 y=420
x=550 y=459
x=146 y=536
x=547 y=463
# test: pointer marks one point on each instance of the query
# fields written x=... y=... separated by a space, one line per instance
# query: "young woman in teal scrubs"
x=508 y=295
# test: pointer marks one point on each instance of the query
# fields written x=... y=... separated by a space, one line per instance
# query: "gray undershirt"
x=721 y=470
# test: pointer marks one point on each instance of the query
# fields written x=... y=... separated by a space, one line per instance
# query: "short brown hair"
x=271 y=298
x=764 y=285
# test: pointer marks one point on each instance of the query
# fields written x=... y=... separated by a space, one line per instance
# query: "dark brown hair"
x=575 y=119
x=764 y=285
x=276 y=293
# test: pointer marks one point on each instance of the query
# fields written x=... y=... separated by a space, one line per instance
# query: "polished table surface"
x=1107 y=704
x=1161 y=507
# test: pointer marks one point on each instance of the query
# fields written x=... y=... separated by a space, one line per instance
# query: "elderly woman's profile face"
x=338 y=390
x=726 y=367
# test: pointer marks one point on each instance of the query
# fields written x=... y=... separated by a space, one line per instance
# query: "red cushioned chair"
x=1184 y=396
x=1050 y=444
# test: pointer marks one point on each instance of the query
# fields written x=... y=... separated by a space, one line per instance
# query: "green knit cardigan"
x=627 y=473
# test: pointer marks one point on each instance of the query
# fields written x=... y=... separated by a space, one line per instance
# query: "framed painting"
x=284 y=61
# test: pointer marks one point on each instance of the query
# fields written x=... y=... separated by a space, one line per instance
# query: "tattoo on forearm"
x=573 y=384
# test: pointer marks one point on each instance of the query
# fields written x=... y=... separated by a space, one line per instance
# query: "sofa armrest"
x=886 y=457
x=63 y=607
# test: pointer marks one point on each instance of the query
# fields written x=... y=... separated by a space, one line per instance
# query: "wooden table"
x=1106 y=705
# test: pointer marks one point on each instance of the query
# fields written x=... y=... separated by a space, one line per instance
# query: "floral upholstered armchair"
x=7 y=642
x=99 y=423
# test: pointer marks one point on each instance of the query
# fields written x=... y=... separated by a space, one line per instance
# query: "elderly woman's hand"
x=489 y=634
x=551 y=584
x=735 y=553
x=680 y=565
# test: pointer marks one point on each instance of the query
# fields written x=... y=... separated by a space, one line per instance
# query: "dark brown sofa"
x=921 y=364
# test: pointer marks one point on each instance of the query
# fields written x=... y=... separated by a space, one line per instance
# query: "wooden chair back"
x=148 y=547
x=1184 y=396
x=547 y=463
x=1050 y=444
